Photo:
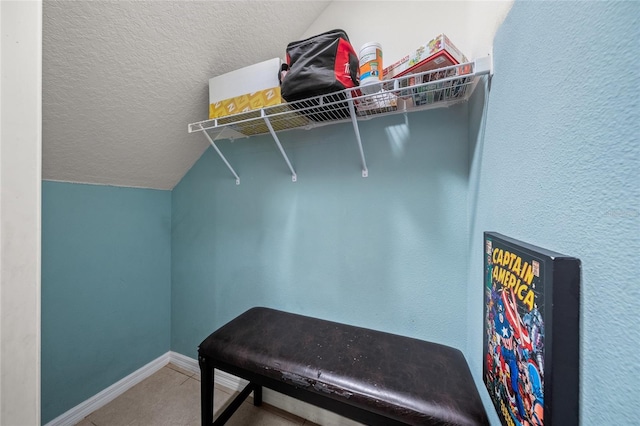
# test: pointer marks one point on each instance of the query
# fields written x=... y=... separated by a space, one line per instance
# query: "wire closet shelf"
x=437 y=88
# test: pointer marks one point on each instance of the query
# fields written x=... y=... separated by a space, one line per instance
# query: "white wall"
x=20 y=174
x=402 y=26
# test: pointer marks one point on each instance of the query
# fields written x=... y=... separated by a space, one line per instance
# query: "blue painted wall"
x=386 y=252
x=559 y=168
x=106 y=288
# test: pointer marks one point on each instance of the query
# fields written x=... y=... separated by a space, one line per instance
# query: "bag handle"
x=284 y=69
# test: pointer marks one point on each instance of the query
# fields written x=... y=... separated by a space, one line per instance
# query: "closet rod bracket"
x=213 y=144
x=356 y=129
x=294 y=176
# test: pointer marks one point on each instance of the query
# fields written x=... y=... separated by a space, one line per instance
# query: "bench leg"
x=206 y=391
x=257 y=395
x=233 y=406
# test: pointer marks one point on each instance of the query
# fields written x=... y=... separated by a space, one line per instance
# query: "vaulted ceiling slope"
x=122 y=79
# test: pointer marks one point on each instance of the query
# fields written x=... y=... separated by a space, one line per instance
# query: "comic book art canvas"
x=524 y=361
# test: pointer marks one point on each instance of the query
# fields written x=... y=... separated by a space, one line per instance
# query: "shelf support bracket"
x=294 y=176
x=213 y=144
x=352 y=111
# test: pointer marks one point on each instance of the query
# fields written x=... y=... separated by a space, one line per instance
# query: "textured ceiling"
x=122 y=79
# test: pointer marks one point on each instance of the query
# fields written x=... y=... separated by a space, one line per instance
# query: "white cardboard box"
x=254 y=78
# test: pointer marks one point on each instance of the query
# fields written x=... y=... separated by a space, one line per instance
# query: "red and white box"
x=438 y=53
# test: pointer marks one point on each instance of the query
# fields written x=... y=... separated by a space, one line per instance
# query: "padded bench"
x=369 y=376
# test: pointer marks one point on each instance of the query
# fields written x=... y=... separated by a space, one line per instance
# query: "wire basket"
x=407 y=93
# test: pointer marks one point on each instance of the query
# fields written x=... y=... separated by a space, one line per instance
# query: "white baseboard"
x=224 y=379
x=184 y=362
x=101 y=399
x=291 y=405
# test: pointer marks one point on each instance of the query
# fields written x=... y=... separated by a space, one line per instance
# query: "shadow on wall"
x=478 y=110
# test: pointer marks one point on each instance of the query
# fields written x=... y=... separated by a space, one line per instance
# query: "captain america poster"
x=514 y=334
x=518 y=280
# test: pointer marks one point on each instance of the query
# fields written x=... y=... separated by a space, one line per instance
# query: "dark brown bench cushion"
x=405 y=379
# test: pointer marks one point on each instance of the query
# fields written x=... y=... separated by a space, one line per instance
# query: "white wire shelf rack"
x=415 y=92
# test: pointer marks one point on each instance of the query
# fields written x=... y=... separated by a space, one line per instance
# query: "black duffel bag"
x=319 y=66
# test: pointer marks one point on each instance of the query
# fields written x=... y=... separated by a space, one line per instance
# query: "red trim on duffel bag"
x=342 y=63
